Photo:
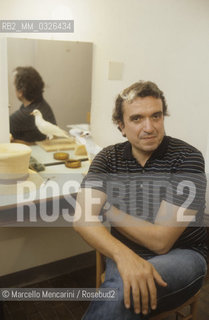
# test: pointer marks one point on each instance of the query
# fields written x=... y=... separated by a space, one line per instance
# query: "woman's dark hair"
x=29 y=81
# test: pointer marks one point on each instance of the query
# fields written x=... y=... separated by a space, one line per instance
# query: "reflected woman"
x=29 y=90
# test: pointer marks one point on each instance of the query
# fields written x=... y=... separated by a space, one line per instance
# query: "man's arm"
x=138 y=275
x=158 y=237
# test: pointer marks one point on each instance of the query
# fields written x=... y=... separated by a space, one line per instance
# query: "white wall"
x=4 y=110
x=164 y=41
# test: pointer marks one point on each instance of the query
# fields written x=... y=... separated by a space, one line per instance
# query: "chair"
x=190 y=304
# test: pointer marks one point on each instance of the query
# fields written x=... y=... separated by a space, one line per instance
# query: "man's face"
x=18 y=93
x=143 y=125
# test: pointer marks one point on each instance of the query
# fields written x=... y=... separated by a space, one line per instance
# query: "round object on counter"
x=73 y=163
x=61 y=156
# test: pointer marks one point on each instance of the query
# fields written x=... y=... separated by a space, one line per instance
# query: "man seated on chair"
x=152 y=190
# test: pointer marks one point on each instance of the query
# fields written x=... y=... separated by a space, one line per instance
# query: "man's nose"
x=148 y=126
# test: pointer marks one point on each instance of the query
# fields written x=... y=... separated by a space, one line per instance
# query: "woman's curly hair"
x=29 y=82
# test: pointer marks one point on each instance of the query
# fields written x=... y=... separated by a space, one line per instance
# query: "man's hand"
x=11 y=137
x=159 y=236
x=139 y=277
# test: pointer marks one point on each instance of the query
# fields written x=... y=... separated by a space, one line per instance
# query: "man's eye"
x=156 y=116
x=136 y=118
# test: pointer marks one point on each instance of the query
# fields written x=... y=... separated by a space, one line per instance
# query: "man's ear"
x=121 y=127
x=19 y=94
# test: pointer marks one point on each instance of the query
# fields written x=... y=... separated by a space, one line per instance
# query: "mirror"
x=66 y=69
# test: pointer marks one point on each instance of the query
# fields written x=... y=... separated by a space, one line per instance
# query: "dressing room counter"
x=56 y=192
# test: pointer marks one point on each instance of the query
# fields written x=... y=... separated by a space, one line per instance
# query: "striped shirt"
x=174 y=173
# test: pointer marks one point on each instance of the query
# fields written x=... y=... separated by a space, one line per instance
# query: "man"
x=152 y=190
x=29 y=90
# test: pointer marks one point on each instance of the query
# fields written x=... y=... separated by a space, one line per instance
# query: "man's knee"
x=180 y=266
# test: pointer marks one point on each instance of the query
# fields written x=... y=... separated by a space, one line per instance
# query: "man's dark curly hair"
x=29 y=81
x=138 y=89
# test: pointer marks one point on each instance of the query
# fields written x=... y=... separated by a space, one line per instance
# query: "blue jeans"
x=182 y=269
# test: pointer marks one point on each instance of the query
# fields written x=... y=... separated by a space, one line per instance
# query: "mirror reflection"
x=66 y=70
x=29 y=87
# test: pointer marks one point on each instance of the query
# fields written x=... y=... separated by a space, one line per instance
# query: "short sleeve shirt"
x=174 y=173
